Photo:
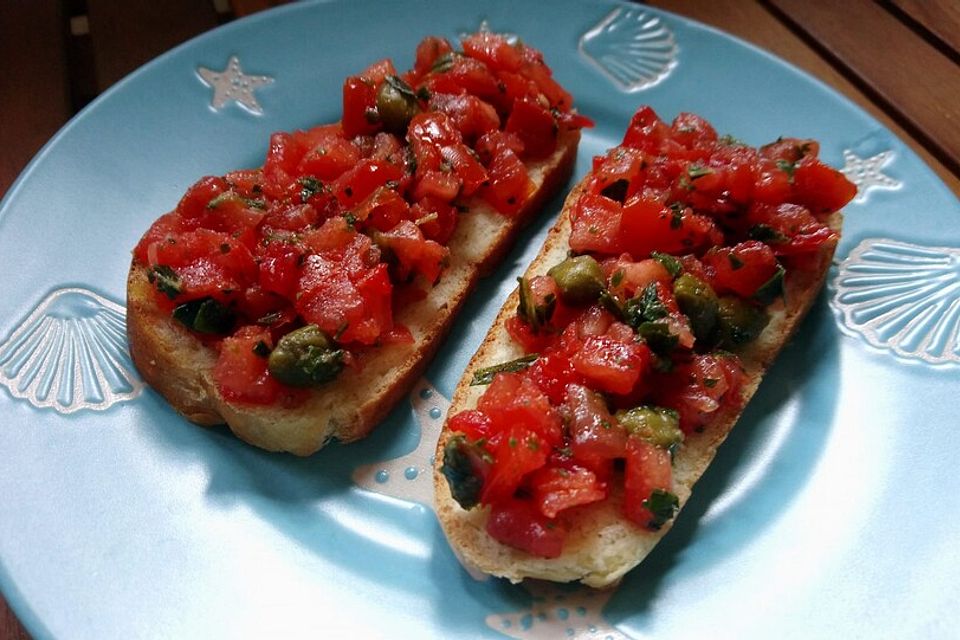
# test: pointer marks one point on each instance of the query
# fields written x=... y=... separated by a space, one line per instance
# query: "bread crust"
x=179 y=366
x=602 y=546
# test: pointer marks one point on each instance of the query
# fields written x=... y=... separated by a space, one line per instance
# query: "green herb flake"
x=486 y=374
x=772 y=288
x=767 y=234
x=617 y=278
x=444 y=63
x=695 y=171
x=663 y=505
x=165 y=279
x=261 y=349
x=671 y=263
x=735 y=262
x=788 y=168
x=309 y=187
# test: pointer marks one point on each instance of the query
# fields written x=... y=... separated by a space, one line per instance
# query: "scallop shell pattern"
x=631 y=47
x=903 y=297
x=70 y=354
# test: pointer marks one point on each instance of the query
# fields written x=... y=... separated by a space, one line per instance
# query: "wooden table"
x=898 y=59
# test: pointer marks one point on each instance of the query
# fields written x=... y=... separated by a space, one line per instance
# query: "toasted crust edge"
x=601 y=546
x=179 y=366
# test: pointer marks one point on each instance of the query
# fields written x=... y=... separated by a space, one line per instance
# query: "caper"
x=465 y=464
x=396 y=104
x=305 y=357
x=740 y=322
x=579 y=279
x=656 y=425
x=698 y=302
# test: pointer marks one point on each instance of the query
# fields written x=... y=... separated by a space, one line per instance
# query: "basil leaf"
x=485 y=375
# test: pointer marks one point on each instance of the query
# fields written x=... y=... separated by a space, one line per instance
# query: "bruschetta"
x=297 y=302
x=676 y=271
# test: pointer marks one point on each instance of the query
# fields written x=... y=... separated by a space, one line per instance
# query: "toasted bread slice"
x=179 y=366
x=602 y=545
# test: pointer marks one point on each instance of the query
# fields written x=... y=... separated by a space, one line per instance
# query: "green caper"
x=305 y=357
x=396 y=104
x=739 y=321
x=579 y=279
x=698 y=302
x=465 y=464
x=656 y=425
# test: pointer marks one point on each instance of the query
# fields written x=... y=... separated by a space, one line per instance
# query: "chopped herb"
x=423 y=94
x=676 y=214
x=658 y=337
x=535 y=315
x=645 y=307
x=695 y=171
x=663 y=505
x=766 y=233
x=270 y=318
x=710 y=383
x=401 y=87
x=729 y=141
x=350 y=218
x=166 y=280
x=486 y=374
x=671 y=263
x=464 y=466
x=444 y=63
x=205 y=315
x=309 y=187
x=224 y=248
x=772 y=288
x=261 y=349
x=617 y=277
x=788 y=168
x=735 y=262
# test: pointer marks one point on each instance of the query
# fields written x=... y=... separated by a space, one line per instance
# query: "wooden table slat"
x=755 y=24
x=918 y=82
x=33 y=83
x=940 y=17
x=128 y=34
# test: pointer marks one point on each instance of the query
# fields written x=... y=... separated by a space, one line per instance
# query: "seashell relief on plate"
x=631 y=47
x=902 y=297
x=70 y=354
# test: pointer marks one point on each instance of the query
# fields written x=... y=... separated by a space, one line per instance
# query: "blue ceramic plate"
x=830 y=512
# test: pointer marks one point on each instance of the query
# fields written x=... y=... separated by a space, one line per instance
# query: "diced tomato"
x=595 y=224
x=821 y=188
x=194 y=202
x=279 y=266
x=361 y=180
x=329 y=153
x=519 y=524
x=383 y=209
x=467 y=167
x=625 y=278
x=207 y=263
x=691 y=130
x=510 y=185
x=523 y=334
x=436 y=218
x=647 y=468
x=595 y=435
x=556 y=488
x=280 y=167
x=534 y=68
x=517 y=451
x=512 y=399
x=464 y=75
x=552 y=372
x=611 y=365
x=240 y=374
x=619 y=174
x=698 y=386
x=646 y=225
x=471 y=423
x=646 y=130
x=492 y=49
x=415 y=253
x=742 y=268
x=534 y=126
x=442 y=185
x=428 y=51
x=471 y=115
x=359 y=107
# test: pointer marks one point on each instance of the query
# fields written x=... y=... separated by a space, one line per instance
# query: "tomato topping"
x=241 y=374
x=678 y=241
x=519 y=524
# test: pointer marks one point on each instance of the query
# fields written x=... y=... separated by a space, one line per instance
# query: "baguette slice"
x=179 y=366
x=601 y=545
